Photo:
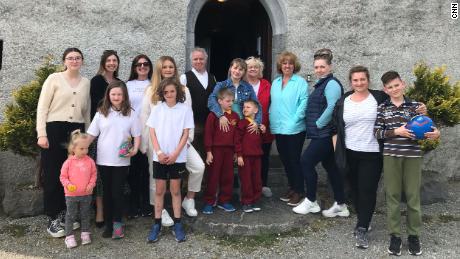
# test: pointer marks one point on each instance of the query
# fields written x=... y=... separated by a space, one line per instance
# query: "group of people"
x=158 y=125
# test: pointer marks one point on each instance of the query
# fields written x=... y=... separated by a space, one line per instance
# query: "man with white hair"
x=201 y=84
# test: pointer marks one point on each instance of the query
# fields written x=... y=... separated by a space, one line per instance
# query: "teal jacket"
x=288 y=105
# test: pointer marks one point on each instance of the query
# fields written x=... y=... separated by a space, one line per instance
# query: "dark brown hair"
x=69 y=50
x=287 y=56
x=324 y=54
x=105 y=55
x=388 y=76
x=180 y=93
x=125 y=104
x=358 y=69
x=133 y=75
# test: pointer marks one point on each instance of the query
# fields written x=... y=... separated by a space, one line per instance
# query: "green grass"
x=14 y=230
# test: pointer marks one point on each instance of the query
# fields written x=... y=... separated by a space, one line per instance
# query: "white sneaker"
x=267 y=192
x=189 y=207
x=166 y=220
x=306 y=206
x=336 y=210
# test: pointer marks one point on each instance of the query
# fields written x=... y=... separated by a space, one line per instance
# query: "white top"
x=202 y=77
x=169 y=124
x=256 y=87
x=136 y=90
x=113 y=130
x=359 y=118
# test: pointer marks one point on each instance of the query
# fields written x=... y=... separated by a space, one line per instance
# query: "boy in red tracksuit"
x=248 y=147
x=220 y=147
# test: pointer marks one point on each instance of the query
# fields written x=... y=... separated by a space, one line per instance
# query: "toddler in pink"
x=78 y=176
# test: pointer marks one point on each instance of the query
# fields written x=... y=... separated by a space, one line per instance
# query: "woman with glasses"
x=138 y=178
x=107 y=73
x=63 y=107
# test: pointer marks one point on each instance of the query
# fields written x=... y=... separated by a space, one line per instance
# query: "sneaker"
x=154 y=233
x=55 y=229
x=356 y=229
x=189 y=207
x=226 y=207
x=61 y=217
x=395 y=245
x=208 y=209
x=414 y=245
x=267 y=192
x=336 y=210
x=256 y=207
x=362 y=239
x=166 y=220
x=306 y=207
x=178 y=232
x=286 y=197
x=85 y=238
x=118 y=230
x=247 y=208
x=70 y=241
x=147 y=211
x=295 y=200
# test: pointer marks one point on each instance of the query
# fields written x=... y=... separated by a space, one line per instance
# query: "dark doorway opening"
x=234 y=29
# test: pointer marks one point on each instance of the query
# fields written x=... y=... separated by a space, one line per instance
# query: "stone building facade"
x=383 y=35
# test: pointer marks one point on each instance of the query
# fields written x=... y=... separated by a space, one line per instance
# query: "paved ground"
x=312 y=237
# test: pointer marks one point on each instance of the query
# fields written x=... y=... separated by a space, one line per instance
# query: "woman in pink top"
x=78 y=177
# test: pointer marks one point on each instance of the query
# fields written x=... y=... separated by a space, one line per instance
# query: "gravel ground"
x=325 y=238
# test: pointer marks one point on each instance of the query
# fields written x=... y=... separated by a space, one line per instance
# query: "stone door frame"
x=277 y=14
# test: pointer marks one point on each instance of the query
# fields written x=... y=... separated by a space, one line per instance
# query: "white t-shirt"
x=202 y=77
x=113 y=130
x=136 y=90
x=169 y=124
x=256 y=87
x=359 y=118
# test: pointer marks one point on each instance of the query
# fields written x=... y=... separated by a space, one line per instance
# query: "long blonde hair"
x=157 y=78
x=75 y=137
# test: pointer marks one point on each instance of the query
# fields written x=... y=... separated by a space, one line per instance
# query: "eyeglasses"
x=74 y=58
x=145 y=64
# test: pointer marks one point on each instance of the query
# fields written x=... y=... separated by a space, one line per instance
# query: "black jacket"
x=339 y=127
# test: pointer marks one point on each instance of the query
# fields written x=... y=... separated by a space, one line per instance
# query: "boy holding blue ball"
x=402 y=162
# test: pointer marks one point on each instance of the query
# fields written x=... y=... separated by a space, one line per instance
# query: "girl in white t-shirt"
x=116 y=125
x=169 y=124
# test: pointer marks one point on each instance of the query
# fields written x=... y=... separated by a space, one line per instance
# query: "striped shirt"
x=391 y=117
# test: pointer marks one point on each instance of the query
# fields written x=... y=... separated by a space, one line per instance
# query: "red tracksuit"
x=221 y=144
x=248 y=145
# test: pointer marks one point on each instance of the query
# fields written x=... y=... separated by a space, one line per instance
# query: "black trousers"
x=52 y=158
x=289 y=149
x=113 y=180
x=265 y=160
x=138 y=180
x=363 y=174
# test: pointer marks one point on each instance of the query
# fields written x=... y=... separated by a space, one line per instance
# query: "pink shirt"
x=80 y=172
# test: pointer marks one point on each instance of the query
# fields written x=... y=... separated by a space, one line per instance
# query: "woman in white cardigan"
x=165 y=67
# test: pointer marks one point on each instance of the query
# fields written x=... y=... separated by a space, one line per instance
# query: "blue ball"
x=420 y=125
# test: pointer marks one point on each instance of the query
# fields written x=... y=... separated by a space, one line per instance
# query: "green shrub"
x=441 y=98
x=17 y=131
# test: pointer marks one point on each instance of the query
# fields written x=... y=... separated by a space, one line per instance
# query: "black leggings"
x=138 y=180
x=113 y=180
x=266 y=147
x=52 y=158
x=364 y=171
x=289 y=149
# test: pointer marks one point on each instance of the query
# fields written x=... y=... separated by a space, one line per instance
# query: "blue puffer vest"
x=317 y=103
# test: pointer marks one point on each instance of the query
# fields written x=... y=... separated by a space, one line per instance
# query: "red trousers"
x=220 y=176
x=250 y=180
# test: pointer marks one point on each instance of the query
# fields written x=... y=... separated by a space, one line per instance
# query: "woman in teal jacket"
x=287 y=122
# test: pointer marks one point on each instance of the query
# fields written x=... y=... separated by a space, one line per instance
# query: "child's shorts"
x=166 y=172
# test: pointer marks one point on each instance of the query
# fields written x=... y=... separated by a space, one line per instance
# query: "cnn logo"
x=454 y=11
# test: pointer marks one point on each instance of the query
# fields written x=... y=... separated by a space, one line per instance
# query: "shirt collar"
x=196 y=72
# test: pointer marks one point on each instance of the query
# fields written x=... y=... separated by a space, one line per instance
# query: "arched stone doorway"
x=222 y=27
